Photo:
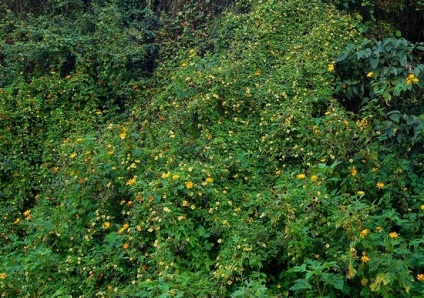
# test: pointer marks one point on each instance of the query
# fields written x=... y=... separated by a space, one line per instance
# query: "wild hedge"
x=238 y=169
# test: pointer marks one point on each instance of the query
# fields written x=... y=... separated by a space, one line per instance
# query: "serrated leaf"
x=301 y=284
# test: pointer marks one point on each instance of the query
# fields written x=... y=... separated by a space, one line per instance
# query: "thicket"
x=210 y=149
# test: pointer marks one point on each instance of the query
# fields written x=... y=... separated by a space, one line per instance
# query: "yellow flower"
x=192 y=53
x=330 y=67
x=189 y=184
x=175 y=177
x=209 y=180
x=364 y=233
x=365 y=259
x=420 y=277
x=121 y=231
x=370 y=74
x=411 y=79
x=353 y=171
x=166 y=175
x=73 y=155
x=393 y=235
x=125 y=246
x=131 y=181
x=314 y=178
x=3 y=275
x=123 y=135
x=106 y=225
x=27 y=214
x=301 y=176
x=422 y=207
x=380 y=185
x=125 y=226
x=361 y=193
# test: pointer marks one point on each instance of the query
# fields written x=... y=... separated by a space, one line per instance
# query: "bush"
x=234 y=173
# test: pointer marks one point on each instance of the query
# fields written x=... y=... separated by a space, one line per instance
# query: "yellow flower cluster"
x=364 y=233
x=124 y=227
x=420 y=277
x=3 y=275
x=380 y=185
x=331 y=67
x=411 y=79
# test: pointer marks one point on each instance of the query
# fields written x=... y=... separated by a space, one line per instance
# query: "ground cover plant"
x=255 y=149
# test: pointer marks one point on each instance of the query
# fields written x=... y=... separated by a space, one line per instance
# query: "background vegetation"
x=211 y=148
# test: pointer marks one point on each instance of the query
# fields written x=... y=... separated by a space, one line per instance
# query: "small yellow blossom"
x=411 y=79
x=121 y=231
x=175 y=177
x=380 y=185
x=353 y=171
x=27 y=214
x=361 y=193
x=370 y=74
x=365 y=259
x=125 y=226
x=166 y=175
x=301 y=176
x=363 y=123
x=393 y=235
x=364 y=233
x=123 y=135
x=125 y=246
x=422 y=207
x=192 y=53
x=314 y=178
x=106 y=225
x=420 y=277
x=331 y=67
x=131 y=181
x=189 y=184
x=3 y=275
x=73 y=155
x=209 y=180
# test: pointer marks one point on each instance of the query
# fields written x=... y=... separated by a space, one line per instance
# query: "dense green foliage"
x=167 y=149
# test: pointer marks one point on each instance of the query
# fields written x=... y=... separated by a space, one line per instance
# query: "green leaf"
x=301 y=284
